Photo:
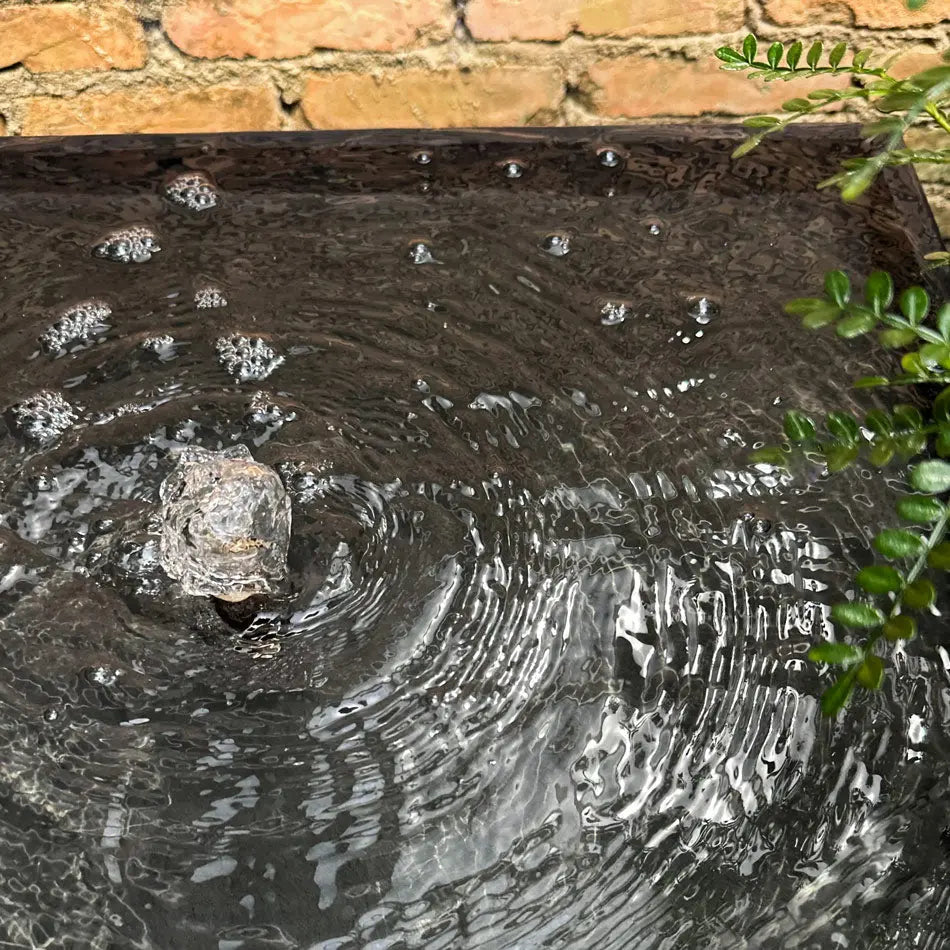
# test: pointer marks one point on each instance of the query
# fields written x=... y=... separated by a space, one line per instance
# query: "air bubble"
x=77 y=324
x=557 y=245
x=246 y=359
x=210 y=297
x=420 y=386
x=702 y=309
x=419 y=253
x=654 y=229
x=192 y=190
x=43 y=417
x=609 y=158
x=162 y=346
x=128 y=245
x=613 y=313
x=513 y=169
x=422 y=157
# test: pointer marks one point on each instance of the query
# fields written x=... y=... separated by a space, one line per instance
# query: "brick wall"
x=84 y=66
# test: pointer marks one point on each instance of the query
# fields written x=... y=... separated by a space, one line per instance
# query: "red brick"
x=882 y=14
x=500 y=20
x=419 y=98
x=63 y=36
x=155 y=109
x=640 y=86
x=277 y=29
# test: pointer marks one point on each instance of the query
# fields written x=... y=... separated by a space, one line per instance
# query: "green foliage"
x=900 y=103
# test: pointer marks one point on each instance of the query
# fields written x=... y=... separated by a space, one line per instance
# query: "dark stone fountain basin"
x=536 y=678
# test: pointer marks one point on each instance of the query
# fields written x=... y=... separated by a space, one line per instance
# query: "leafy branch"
x=901 y=102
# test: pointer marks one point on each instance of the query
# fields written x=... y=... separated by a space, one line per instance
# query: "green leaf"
x=839 y=457
x=895 y=543
x=837 y=653
x=837 y=54
x=728 y=55
x=943 y=321
x=769 y=455
x=798 y=427
x=920 y=595
x=836 y=696
x=801 y=306
x=941 y=408
x=838 y=287
x=910 y=444
x=856 y=183
x=814 y=55
x=939 y=557
x=932 y=477
x=760 y=122
x=901 y=627
x=857 y=614
x=794 y=54
x=916 y=5
x=879 y=579
x=942 y=443
x=879 y=422
x=921 y=509
x=871 y=673
x=933 y=355
x=869 y=382
x=749 y=46
x=753 y=141
x=907 y=417
x=914 y=304
x=844 y=427
x=821 y=316
x=774 y=55
x=860 y=58
x=797 y=105
x=879 y=291
x=897 y=338
x=855 y=324
x=930 y=77
x=882 y=452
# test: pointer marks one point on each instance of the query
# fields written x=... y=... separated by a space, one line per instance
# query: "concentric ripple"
x=535 y=678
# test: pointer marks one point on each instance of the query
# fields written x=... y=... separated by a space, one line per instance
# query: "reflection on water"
x=537 y=678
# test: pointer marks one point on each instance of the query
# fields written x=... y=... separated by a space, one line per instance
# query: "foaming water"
x=535 y=677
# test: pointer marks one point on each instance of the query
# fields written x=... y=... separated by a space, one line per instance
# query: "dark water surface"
x=536 y=679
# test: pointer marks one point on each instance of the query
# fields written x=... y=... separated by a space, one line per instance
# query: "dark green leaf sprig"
x=901 y=103
x=891 y=592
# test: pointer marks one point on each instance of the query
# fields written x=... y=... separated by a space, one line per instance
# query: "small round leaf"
x=871 y=673
x=857 y=614
x=939 y=557
x=798 y=426
x=879 y=291
x=914 y=304
x=920 y=595
x=879 y=579
x=837 y=284
x=897 y=544
x=855 y=324
x=932 y=477
x=922 y=509
x=838 y=653
x=901 y=627
x=836 y=696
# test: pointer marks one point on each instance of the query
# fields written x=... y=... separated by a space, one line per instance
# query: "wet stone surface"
x=525 y=669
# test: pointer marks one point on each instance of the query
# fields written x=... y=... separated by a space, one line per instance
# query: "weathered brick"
x=63 y=36
x=419 y=98
x=238 y=108
x=275 y=29
x=913 y=61
x=883 y=14
x=639 y=86
x=500 y=20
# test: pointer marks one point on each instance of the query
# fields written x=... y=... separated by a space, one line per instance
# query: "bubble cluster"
x=613 y=313
x=77 y=324
x=192 y=190
x=43 y=417
x=557 y=245
x=134 y=245
x=210 y=297
x=162 y=346
x=246 y=359
x=419 y=253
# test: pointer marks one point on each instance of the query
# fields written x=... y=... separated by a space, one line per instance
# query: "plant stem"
x=936 y=536
x=937 y=114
